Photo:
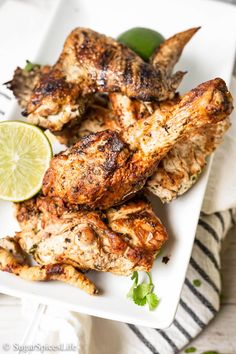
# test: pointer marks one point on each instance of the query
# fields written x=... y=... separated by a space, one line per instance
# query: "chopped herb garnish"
x=210 y=352
x=190 y=350
x=30 y=66
x=142 y=294
x=197 y=283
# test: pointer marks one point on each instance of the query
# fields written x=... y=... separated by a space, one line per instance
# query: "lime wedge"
x=25 y=154
x=142 y=41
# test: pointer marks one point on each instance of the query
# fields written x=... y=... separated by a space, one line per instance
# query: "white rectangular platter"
x=210 y=54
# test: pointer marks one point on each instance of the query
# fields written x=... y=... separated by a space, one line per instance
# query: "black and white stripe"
x=207 y=253
x=221 y=220
x=141 y=337
x=204 y=275
x=209 y=229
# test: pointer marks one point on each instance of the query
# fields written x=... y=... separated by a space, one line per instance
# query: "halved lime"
x=25 y=154
x=142 y=41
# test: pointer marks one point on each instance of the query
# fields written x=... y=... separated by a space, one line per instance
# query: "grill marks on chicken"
x=180 y=167
x=100 y=64
x=55 y=102
x=105 y=168
x=122 y=240
x=91 y=62
x=24 y=82
x=145 y=128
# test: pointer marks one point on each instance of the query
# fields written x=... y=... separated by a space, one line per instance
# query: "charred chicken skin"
x=181 y=166
x=90 y=63
x=106 y=168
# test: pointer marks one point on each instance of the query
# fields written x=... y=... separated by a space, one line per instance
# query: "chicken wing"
x=183 y=164
x=13 y=260
x=105 y=168
x=122 y=240
x=91 y=62
x=60 y=103
x=24 y=82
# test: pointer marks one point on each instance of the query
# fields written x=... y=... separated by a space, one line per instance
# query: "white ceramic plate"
x=210 y=54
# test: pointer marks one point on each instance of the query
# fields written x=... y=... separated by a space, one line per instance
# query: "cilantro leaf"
x=143 y=289
x=131 y=292
x=141 y=294
x=152 y=301
x=30 y=66
x=135 y=277
x=138 y=300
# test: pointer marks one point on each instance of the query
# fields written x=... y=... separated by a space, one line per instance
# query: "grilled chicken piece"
x=91 y=62
x=52 y=106
x=180 y=168
x=183 y=164
x=167 y=55
x=55 y=102
x=122 y=240
x=106 y=168
x=60 y=104
x=13 y=260
x=24 y=82
x=96 y=119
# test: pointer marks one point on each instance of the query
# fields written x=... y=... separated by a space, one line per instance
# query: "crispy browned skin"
x=12 y=260
x=180 y=167
x=55 y=101
x=122 y=240
x=90 y=63
x=104 y=168
x=167 y=55
x=24 y=82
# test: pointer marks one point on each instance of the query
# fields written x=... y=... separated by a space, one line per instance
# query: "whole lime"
x=142 y=41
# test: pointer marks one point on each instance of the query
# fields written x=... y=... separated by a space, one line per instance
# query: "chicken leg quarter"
x=105 y=168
